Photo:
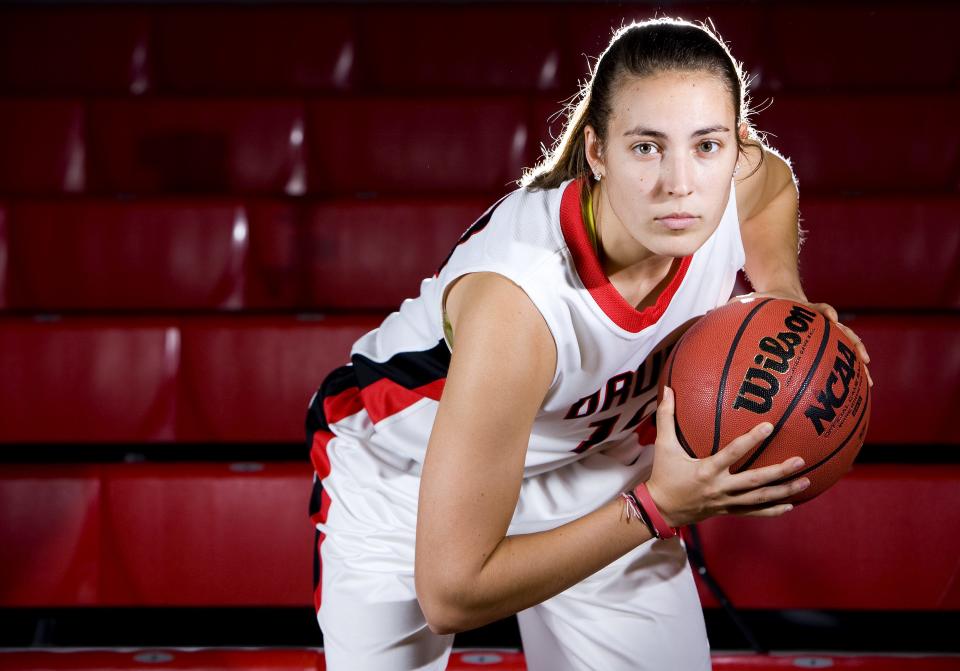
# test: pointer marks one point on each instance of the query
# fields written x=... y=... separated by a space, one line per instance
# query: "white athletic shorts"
x=639 y=613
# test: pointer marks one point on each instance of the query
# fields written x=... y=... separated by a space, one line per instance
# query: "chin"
x=679 y=246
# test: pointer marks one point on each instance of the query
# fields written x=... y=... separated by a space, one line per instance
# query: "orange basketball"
x=777 y=361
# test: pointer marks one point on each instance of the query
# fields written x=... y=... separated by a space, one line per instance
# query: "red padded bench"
x=254 y=50
x=224 y=254
x=470 y=49
x=836 y=146
x=420 y=145
x=853 y=547
x=250 y=379
x=364 y=254
x=196 y=145
x=50 y=523
x=42 y=145
x=218 y=534
x=882 y=252
x=883 y=47
x=81 y=539
x=74 y=50
x=210 y=522
x=372 y=253
x=110 y=254
x=149 y=380
x=4 y=254
x=156 y=534
x=915 y=363
x=88 y=380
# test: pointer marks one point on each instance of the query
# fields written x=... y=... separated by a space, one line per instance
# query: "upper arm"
x=768 y=181
x=500 y=370
x=767 y=201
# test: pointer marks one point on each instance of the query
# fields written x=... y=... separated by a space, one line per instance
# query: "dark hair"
x=641 y=50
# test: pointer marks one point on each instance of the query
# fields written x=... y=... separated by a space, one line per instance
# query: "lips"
x=677 y=221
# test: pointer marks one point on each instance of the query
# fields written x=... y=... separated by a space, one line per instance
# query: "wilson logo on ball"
x=759 y=384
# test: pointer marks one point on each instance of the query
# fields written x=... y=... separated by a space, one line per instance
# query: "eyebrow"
x=640 y=130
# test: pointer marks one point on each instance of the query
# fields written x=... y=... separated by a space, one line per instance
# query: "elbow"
x=445 y=608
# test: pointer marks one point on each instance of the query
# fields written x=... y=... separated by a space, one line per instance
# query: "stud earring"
x=597 y=176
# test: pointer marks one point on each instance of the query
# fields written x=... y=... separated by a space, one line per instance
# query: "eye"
x=646 y=148
x=709 y=146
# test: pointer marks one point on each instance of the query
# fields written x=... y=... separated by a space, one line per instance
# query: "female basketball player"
x=472 y=460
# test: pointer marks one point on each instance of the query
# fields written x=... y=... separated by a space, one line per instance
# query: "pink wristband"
x=660 y=527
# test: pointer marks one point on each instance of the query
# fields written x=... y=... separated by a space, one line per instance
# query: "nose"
x=677 y=174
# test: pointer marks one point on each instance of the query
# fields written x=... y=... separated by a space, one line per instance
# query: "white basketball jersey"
x=609 y=354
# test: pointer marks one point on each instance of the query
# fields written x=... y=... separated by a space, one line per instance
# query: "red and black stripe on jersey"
x=380 y=388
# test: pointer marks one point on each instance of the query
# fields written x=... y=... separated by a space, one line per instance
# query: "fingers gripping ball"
x=771 y=360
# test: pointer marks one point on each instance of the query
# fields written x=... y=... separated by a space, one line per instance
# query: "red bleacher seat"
x=351 y=254
x=50 y=534
x=218 y=534
x=882 y=252
x=209 y=523
x=250 y=379
x=4 y=255
x=882 y=47
x=74 y=50
x=254 y=50
x=277 y=255
x=246 y=379
x=915 y=364
x=838 y=143
x=399 y=145
x=41 y=146
x=176 y=146
x=854 y=547
x=87 y=380
x=469 y=49
x=374 y=254
x=105 y=254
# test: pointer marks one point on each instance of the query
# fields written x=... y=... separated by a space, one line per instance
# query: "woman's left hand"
x=827 y=311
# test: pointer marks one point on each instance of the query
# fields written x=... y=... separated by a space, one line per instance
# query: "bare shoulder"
x=763 y=174
x=495 y=320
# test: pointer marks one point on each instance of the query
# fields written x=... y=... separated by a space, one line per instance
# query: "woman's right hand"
x=688 y=490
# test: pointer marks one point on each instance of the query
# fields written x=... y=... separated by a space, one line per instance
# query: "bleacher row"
x=348 y=146
x=468 y=47
x=202 y=207
x=247 y=378
x=233 y=534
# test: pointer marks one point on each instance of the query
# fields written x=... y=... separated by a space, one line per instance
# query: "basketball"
x=777 y=361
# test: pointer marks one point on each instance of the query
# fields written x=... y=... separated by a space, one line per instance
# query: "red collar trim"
x=595 y=280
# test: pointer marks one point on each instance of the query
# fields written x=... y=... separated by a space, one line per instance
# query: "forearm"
x=525 y=570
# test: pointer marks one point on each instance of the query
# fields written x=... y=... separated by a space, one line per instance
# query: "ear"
x=594 y=149
x=743 y=130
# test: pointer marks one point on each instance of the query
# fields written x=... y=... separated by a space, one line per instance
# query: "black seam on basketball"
x=798 y=474
x=682 y=439
x=676 y=420
x=726 y=371
x=796 y=399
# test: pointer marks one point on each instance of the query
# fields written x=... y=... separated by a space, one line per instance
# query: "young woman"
x=472 y=460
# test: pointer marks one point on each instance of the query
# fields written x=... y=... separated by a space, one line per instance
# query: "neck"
x=622 y=257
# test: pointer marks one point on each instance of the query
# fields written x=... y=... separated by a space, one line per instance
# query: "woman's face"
x=667 y=162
